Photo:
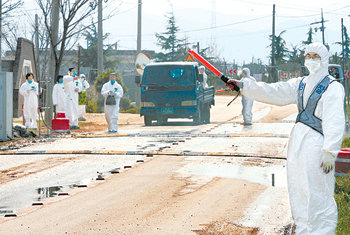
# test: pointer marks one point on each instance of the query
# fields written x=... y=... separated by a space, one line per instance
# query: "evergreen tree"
x=309 y=37
x=173 y=47
x=296 y=55
x=281 y=51
x=88 y=55
x=346 y=45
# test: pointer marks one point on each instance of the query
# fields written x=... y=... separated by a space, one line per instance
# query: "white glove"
x=328 y=162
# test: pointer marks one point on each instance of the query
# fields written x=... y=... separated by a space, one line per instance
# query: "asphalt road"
x=172 y=179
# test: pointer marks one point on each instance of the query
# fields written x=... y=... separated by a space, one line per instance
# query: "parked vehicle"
x=336 y=71
x=174 y=90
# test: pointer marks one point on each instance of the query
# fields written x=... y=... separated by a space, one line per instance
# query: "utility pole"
x=100 y=39
x=342 y=44
x=139 y=21
x=0 y=34
x=38 y=66
x=52 y=62
x=79 y=59
x=343 y=66
x=198 y=48
x=322 y=28
x=273 y=60
x=37 y=47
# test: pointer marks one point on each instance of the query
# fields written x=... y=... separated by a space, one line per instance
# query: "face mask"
x=74 y=74
x=60 y=81
x=312 y=65
x=112 y=82
x=30 y=82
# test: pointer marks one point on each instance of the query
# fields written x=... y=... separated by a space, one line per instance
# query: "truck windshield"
x=168 y=76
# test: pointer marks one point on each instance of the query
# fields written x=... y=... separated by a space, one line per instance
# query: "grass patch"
x=346 y=143
x=342 y=197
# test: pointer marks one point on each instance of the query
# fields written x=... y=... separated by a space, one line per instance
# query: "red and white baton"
x=214 y=70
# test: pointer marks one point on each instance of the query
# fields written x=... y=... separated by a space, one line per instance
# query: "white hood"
x=317 y=76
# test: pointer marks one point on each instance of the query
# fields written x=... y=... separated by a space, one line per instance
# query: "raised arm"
x=279 y=93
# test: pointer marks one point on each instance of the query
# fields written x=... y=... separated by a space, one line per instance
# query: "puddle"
x=234 y=169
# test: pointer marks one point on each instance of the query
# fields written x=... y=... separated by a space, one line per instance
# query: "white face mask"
x=312 y=65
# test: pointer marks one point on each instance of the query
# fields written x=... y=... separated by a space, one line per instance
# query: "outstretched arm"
x=279 y=93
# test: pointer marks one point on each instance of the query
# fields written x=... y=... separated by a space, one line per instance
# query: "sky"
x=239 y=29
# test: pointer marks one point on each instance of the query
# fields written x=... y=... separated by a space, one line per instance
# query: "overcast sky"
x=238 y=28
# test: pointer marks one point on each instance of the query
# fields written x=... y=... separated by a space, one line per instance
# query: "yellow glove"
x=328 y=162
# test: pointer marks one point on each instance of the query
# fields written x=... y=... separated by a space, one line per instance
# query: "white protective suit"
x=205 y=78
x=30 y=107
x=71 y=104
x=311 y=191
x=247 y=103
x=84 y=86
x=112 y=111
x=58 y=97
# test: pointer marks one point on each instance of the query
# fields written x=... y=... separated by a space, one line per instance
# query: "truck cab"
x=174 y=90
x=335 y=70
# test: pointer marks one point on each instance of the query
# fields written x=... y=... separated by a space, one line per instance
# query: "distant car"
x=336 y=71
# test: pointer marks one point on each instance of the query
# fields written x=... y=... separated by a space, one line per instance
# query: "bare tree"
x=10 y=5
x=72 y=16
x=10 y=29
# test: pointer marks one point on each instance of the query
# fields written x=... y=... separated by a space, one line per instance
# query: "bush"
x=135 y=110
x=101 y=79
x=91 y=96
x=125 y=103
x=82 y=98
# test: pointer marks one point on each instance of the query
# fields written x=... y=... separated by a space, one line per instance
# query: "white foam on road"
x=270 y=212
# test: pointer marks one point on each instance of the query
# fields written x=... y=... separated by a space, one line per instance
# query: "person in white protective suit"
x=30 y=91
x=84 y=86
x=72 y=87
x=315 y=139
x=58 y=95
x=205 y=77
x=112 y=92
x=247 y=103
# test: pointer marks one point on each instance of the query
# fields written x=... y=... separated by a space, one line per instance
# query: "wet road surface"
x=45 y=178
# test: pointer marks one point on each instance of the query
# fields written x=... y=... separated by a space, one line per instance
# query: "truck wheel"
x=162 y=120
x=148 y=120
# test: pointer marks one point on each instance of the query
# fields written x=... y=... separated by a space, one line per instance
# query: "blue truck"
x=174 y=90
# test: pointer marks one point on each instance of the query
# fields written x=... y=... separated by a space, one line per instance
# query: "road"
x=218 y=178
